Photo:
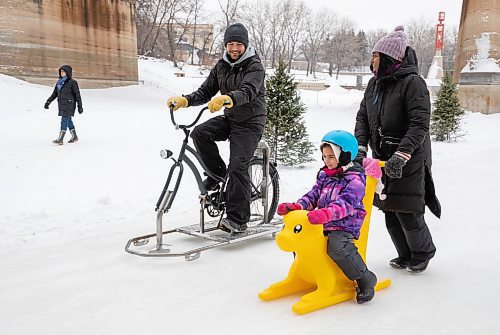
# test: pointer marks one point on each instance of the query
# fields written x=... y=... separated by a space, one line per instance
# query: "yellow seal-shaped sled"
x=312 y=268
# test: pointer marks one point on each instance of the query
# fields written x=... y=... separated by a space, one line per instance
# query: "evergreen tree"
x=285 y=131
x=363 y=55
x=447 y=115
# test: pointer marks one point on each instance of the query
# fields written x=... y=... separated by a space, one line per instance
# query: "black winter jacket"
x=69 y=95
x=243 y=81
x=401 y=110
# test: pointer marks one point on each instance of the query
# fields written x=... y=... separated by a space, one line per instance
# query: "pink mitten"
x=320 y=216
x=286 y=207
x=372 y=168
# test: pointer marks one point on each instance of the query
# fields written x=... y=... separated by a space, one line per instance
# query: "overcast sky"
x=385 y=14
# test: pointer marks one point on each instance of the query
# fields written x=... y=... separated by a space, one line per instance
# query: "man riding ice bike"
x=239 y=76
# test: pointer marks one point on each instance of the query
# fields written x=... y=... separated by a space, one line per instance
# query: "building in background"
x=97 y=38
x=183 y=47
x=477 y=69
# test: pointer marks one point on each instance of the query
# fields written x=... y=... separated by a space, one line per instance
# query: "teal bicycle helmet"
x=347 y=143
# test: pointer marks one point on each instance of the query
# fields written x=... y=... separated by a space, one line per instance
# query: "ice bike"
x=264 y=180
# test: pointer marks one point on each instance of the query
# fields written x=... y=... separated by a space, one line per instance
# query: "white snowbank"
x=67 y=211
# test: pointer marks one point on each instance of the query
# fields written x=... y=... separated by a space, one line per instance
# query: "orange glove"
x=220 y=101
x=177 y=102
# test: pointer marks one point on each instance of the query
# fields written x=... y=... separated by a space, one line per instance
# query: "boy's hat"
x=236 y=33
x=393 y=44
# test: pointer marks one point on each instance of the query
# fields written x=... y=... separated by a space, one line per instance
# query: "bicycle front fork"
x=165 y=201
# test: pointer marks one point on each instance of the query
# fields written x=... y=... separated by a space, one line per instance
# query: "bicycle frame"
x=181 y=158
x=167 y=197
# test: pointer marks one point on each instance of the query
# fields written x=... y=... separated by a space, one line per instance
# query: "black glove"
x=46 y=106
x=361 y=154
x=394 y=166
x=80 y=109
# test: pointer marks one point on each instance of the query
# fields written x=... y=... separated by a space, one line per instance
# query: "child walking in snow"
x=68 y=94
x=336 y=202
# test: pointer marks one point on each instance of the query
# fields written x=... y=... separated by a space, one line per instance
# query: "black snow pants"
x=410 y=235
x=243 y=141
x=345 y=254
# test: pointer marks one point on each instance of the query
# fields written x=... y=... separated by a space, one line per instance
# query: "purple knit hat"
x=392 y=44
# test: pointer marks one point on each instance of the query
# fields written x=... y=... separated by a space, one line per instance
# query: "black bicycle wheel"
x=255 y=171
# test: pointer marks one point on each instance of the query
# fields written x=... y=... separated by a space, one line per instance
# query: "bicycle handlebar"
x=183 y=126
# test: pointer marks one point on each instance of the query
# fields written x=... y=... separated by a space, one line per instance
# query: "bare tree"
x=229 y=10
x=173 y=23
x=207 y=37
x=157 y=26
x=147 y=14
x=341 y=45
x=277 y=23
x=315 y=33
x=450 y=44
x=217 y=43
x=230 y=14
x=197 y=6
x=421 y=36
x=280 y=30
x=256 y=20
x=276 y=28
x=296 y=21
x=151 y=17
x=363 y=53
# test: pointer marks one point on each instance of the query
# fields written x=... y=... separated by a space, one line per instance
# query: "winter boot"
x=73 y=138
x=210 y=184
x=231 y=226
x=366 y=287
x=59 y=140
x=417 y=267
x=399 y=263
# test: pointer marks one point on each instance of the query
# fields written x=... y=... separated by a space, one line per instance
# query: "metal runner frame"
x=257 y=227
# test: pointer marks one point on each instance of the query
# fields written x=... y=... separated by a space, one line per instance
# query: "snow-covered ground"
x=67 y=211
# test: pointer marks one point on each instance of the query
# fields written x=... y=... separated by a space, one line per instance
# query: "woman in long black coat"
x=393 y=119
x=68 y=95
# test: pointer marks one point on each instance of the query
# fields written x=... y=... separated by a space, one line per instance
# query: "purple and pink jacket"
x=342 y=194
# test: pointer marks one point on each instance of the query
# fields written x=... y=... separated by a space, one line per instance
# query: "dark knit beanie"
x=236 y=33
